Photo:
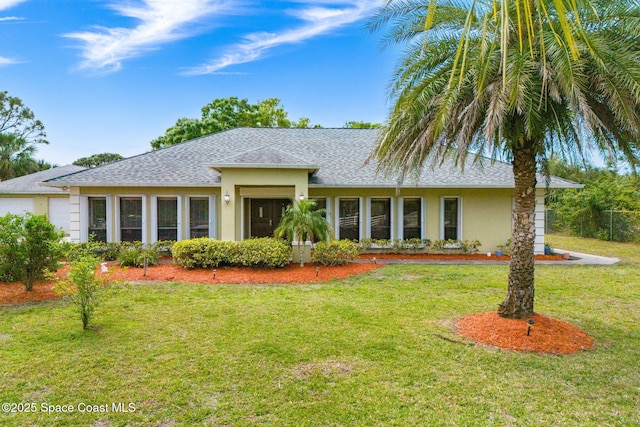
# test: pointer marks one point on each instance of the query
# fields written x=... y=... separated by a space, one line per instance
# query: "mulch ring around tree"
x=545 y=336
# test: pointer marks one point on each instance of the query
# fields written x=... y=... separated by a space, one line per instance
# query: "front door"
x=265 y=216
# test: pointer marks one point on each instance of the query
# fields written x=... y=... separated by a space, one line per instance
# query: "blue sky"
x=111 y=75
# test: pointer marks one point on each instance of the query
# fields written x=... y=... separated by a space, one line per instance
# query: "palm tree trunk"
x=519 y=301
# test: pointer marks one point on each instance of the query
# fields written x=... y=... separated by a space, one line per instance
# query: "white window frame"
x=212 y=215
x=144 y=236
x=154 y=216
x=337 y=215
x=392 y=227
x=84 y=215
x=442 y=199
x=423 y=221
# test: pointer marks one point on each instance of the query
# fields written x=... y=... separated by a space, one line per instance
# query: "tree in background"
x=98 y=160
x=20 y=133
x=361 y=125
x=228 y=113
x=515 y=79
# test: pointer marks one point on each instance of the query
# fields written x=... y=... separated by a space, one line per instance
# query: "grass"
x=365 y=351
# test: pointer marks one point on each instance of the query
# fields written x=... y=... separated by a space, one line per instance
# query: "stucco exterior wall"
x=485 y=213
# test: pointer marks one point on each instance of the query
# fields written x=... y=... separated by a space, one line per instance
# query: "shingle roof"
x=338 y=154
x=263 y=157
x=30 y=184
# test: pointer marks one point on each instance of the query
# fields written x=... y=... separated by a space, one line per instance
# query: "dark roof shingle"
x=338 y=154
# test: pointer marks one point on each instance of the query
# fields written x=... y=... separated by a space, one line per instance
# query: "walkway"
x=576 y=258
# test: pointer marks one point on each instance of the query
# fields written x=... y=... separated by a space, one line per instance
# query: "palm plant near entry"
x=476 y=79
x=303 y=222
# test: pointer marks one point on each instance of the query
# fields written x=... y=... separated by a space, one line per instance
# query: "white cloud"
x=7 y=61
x=11 y=18
x=318 y=20
x=6 y=4
x=161 y=21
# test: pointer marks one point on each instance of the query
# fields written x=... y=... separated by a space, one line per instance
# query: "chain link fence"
x=613 y=225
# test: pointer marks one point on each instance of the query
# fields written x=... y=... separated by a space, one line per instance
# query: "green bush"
x=335 y=252
x=135 y=256
x=29 y=247
x=205 y=252
x=456 y=246
x=83 y=286
x=263 y=252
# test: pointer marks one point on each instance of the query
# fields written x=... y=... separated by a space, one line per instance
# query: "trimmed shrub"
x=264 y=252
x=205 y=252
x=335 y=252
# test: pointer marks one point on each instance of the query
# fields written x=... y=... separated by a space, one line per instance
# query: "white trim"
x=84 y=218
x=213 y=224
x=459 y=233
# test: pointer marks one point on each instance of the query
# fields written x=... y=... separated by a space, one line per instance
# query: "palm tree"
x=476 y=80
x=16 y=157
x=303 y=222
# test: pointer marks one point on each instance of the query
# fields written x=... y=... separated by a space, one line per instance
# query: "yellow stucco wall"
x=486 y=213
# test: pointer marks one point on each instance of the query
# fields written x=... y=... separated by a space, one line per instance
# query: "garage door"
x=17 y=206
x=59 y=213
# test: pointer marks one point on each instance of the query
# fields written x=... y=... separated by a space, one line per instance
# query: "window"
x=412 y=219
x=198 y=217
x=130 y=219
x=167 y=218
x=349 y=221
x=98 y=218
x=321 y=203
x=451 y=218
x=381 y=219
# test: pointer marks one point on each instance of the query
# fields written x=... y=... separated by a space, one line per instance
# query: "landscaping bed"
x=450 y=257
x=164 y=272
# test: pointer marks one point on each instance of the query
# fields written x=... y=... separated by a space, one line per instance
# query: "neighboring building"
x=235 y=184
x=25 y=194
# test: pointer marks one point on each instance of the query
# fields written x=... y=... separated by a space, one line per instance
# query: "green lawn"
x=367 y=351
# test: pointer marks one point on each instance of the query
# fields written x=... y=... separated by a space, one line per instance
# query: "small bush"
x=456 y=246
x=264 y=252
x=83 y=286
x=135 y=256
x=335 y=252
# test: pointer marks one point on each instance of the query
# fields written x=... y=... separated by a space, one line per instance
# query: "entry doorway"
x=265 y=216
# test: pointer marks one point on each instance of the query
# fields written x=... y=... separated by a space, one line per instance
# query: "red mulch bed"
x=15 y=293
x=453 y=257
x=547 y=335
x=292 y=273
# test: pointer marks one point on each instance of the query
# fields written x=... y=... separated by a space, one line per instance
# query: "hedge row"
x=334 y=252
x=205 y=252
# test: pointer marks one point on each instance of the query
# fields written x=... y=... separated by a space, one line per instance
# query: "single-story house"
x=236 y=184
x=26 y=194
